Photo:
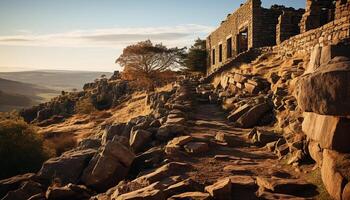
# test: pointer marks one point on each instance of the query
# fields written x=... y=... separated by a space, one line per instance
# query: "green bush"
x=21 y=148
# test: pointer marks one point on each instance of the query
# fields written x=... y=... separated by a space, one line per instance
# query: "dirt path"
x=242 y=159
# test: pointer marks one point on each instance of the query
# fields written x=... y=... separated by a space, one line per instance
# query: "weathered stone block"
x=335 y=172
x=329 y=131
x=327 y=90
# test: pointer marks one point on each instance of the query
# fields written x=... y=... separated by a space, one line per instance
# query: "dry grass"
x=134 y=107
x=60 y=143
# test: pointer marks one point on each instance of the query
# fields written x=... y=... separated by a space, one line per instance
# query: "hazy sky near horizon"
x=90 y=34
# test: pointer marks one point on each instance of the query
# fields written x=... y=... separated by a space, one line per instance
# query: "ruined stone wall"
x=260 y=24
x=264 y=26
x=330 y=33
x=318 y=13
x=240 y=19
x=342 y=9
x=288 y=25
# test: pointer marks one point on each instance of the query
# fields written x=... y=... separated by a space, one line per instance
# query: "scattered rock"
x=196 y=147
x=285 y=186
x=167 y=170
x=234 y=116
x=187 y=185
x=191 y=196
x=174 y=146
x=139 y=139
x=70 y=191
x=231 y=140
x=27 y=190
x=151 y=192
x=168 y=131
x=220 y=190
x=253 y=115
x=13 y=183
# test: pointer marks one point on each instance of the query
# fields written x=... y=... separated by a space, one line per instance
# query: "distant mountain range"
x=28 y=88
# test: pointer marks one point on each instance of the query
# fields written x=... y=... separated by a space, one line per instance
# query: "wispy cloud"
x=181 y=35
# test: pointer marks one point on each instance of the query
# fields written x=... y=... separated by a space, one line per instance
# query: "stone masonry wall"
x=342 y=9
x=330 y=33
x=240 y=19
x=260 y=24
x=288 y=25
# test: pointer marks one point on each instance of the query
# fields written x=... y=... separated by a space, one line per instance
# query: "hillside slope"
x=57 y=80
x=15 y=95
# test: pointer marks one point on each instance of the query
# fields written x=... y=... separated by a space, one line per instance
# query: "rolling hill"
x=28 y=88
x=55 y=79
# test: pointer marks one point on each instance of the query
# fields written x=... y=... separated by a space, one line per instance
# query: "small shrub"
x=21 y=148
x=85 y=106
x=60 y=144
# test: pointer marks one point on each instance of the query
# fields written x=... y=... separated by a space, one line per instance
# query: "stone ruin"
x=252 y=26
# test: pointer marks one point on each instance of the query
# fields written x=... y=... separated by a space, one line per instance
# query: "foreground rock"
x=70 y=191
x=13 y=183
x=191 y=195
x=67 y=168
x=319 y=91
x=109 y=167
x=27 y=190
x=221 y=190
x=293 y=187
x=151 y=192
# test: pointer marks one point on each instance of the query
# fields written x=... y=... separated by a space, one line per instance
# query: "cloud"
x=181 y=35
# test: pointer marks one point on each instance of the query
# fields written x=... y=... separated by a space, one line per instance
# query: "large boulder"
x=329 y=131
x=335 y=172
x=326 y=90
x=109 y=167
x=67 y=168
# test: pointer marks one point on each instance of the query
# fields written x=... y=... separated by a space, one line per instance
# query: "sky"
x=89 y=35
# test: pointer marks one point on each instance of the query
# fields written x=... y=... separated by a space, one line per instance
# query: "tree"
x=196 y=59
x=144 y=61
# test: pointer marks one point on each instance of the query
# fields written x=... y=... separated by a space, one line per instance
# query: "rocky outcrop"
x=323 y=93
x=102 y=94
